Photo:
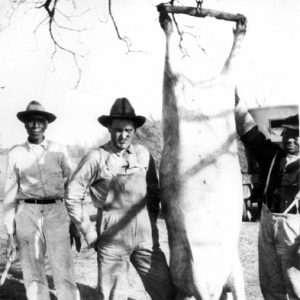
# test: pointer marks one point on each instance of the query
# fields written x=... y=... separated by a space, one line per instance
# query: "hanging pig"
x=201 y=185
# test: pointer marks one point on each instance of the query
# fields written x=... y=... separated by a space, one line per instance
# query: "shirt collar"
x=292 y=158
x=43 y=144
x=113 y=148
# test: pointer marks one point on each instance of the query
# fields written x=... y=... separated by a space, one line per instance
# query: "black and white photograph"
x=149 y=150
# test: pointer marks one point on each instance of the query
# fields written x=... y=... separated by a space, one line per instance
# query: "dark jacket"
x=284 y=179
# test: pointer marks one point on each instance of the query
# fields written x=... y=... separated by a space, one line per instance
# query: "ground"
x=86 y=267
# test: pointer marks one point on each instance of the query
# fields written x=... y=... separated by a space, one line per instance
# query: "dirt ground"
x=86 y=268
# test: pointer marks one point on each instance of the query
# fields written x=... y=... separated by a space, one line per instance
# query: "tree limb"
x=122 y=38
x=51 y=7
x=201 y=13
x=239 y=34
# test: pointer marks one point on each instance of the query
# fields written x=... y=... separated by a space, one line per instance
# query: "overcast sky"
x=270 y=62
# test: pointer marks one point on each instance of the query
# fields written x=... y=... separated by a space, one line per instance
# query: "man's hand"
x=11 y=248
x=241 y=25
x=91 y=238
x=165 y=20
x=75 y=236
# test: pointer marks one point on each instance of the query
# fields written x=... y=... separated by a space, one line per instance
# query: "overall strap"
x=269 y=175
x=142 y=156
x=295 y=202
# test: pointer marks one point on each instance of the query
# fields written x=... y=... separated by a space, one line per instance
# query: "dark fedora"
x=291 y=122
x=35 y=108
x=122 y=109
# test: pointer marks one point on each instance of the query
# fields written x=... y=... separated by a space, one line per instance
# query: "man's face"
x=290 y=141
x=121 y=133
x=36 y=126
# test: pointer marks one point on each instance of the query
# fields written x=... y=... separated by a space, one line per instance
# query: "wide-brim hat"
x=35 y=108
x=121 y=109
x=291 y=122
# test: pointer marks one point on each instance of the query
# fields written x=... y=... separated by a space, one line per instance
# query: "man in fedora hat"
x=123 y=185
x=279 y=233
x=35 y=217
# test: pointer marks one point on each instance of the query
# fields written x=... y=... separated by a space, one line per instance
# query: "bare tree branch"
x=69 y=28
x=58 y=22
x=51 y=8
x=197 y=37
x=239 y=34
x=74 y=4
x=50 y=11
x=125 y=39
x=182 y=33
x=79 y=72
x=69 y=18
x=8 y=16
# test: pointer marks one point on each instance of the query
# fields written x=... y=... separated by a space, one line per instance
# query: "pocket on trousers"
x=25 y=223
x=112 y=228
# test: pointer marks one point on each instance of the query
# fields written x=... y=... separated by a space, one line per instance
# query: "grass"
x=86 y=268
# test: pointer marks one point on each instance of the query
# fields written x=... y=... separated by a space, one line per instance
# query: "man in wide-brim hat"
x=34 y=108
x=279 y=232
x=35 y=215
x=122 y=110
x=123 y=185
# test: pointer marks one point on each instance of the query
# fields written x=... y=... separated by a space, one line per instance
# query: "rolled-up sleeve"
x=85 y=174
x=10 y=194
x=244 y=120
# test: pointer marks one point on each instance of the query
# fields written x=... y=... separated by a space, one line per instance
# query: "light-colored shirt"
x=34 y=171
x=292 y=158
x=96 y=170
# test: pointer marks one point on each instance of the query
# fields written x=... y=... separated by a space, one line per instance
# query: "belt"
x=42 y=201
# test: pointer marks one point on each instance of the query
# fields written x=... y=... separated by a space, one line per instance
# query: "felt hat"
x=121 y=109
x=291 y=122
x=35 y=108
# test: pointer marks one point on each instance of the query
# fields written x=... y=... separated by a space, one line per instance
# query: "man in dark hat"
x=35 y=217
x=279 y=234
x=123 y=184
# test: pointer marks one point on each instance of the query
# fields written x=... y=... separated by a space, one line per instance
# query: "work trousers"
x=131 y=238
x=278 y=272
x=44 y=230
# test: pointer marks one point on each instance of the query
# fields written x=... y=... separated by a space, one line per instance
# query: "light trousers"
x=43 y=230
x=131 y=238
x=278 y=272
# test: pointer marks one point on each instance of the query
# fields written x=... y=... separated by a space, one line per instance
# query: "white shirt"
x=34 y=171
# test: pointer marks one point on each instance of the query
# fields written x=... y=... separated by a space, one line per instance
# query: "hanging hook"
x=199 y=5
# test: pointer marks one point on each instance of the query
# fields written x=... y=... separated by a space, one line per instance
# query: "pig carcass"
x=201 y=185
